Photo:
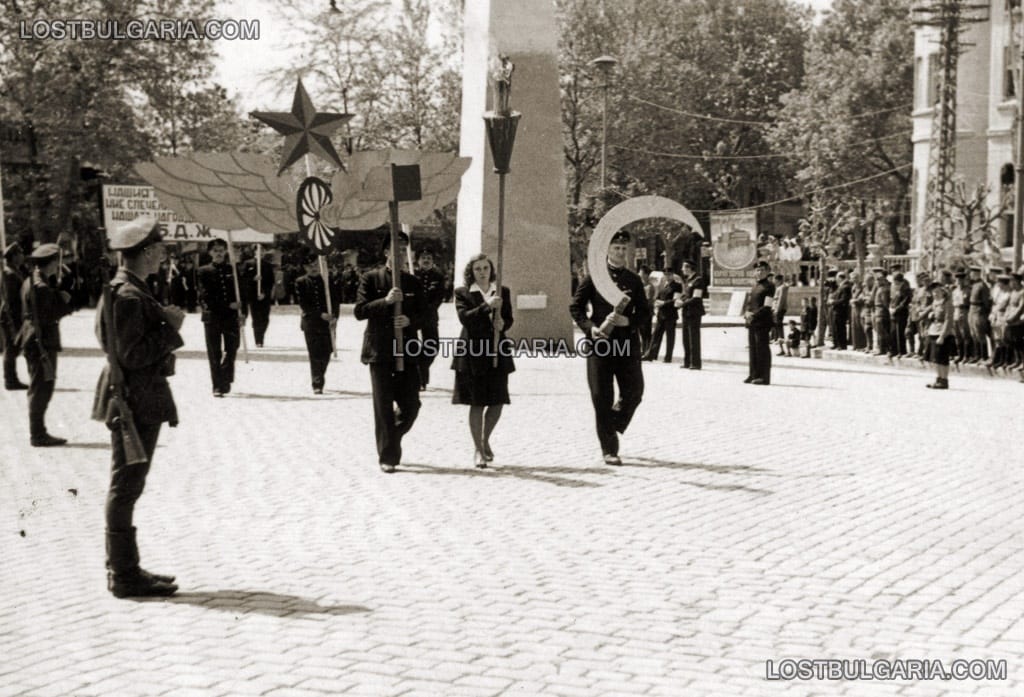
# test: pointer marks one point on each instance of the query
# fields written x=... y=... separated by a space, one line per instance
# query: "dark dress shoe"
x=47 y=441
x=318 y=390
x=138 y=585
x=612 y=460
x=218 y=393
x=387 y=468
x=161 y=578
x=15 y=386
x=227 y=388
x=748 y=381
x=939 y=384
x=758 y=381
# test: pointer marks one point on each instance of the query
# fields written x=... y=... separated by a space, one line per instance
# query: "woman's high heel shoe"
x=486 y=452
x=479 y=461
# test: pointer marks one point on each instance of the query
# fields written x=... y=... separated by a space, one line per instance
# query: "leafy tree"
x=850 y=119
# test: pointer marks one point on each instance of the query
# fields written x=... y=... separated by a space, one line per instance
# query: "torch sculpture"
x=501 y=136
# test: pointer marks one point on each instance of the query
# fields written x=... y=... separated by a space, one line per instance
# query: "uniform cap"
x=974 y=268
x=215 y=242
x=1004 y=278
x=879 y=269
x=621 y=236
x=140 y=232
x=385 y=244
x=44 y=252
x=762 y=264
x=960 y=273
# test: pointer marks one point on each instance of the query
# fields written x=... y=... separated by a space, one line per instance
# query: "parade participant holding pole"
x=259 y=282
x=133 y=396
x=478 y=382
x=319 y=318
x=42 y=307
x=393 y=371
x=221 y=316
x=605 y=364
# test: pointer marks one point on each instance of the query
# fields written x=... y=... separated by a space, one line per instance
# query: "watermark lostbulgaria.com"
x=446 y=347
x=907 y=669
x=140 y=29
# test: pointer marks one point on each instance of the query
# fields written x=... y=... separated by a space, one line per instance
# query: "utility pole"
x=1018 y=197
x=949 y=16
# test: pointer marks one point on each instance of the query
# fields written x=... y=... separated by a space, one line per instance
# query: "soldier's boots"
x=47 y=441
x=125 y=578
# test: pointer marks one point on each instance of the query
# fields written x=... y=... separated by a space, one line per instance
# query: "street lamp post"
x=604 y=64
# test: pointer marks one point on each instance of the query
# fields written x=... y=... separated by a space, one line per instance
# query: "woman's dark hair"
x=467 y=273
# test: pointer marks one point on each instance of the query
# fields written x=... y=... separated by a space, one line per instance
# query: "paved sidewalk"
x=843 y=512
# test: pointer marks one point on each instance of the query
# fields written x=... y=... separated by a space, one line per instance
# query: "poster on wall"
x=124 y=203
x=733 y=248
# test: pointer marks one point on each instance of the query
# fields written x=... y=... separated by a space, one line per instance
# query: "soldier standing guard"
x=317 y=322
x=980 y=299
x=221 y=319
x=606 y=330
x=144 y=335
x=880 y=311
x=42 y=307
x=391 y=388
x=692 y=306
x=10 y=314
x=433 y=282
x=259 y=286
x=757 y=314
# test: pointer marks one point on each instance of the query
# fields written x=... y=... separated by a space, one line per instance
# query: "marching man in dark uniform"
x=375 y=303
x=317 y=322
x=42 y=307
x=10 y=314
x=221 y=320
x=667 y=314
x=145 y=335
x=757 y=313
x=433 y=282
x=258 y=291
x=604 y=366
x=692 y=305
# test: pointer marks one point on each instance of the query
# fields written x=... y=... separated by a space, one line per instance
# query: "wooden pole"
x=500 y=261
x=327 y=293
x=396 y=282
x=3 y=230
x=238 y=298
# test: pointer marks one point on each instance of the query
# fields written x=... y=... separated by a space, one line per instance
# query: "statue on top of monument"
x=502 y=74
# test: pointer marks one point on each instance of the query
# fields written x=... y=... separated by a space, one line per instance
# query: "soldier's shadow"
x=259 y=603
x=715 y=469
x=536 y=474
x=328 y=395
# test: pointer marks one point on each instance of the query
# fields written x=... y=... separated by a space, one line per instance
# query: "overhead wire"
x=749 y=122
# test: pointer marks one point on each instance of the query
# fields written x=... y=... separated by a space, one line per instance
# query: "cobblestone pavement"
x=844 y=512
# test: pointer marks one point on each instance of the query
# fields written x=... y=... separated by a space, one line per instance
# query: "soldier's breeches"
x=128 y=481
x=40 y=391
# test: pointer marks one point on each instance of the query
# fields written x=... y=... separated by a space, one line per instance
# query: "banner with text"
x=733 y=248
x=122 y=204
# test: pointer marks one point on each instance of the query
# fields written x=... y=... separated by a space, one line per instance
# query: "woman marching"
x=478 y=382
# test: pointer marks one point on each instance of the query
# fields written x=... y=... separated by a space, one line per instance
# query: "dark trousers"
x=840 y=317
x=962 y=333
x=760 y=353
x=913 y=332
x=11 y=353
x=691 y=342
x=428 y=332
x=666 y=328
x=391 y=389
x=128 y=481
x=611 y=418
x=645 y=335
x=40 y=391
x=260 y=313
x=318 y=345
x=857 y=335
x=898 y=342
x=980 y=331
x=222 y=339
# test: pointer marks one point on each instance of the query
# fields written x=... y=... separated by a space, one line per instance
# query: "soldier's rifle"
x=119 y=416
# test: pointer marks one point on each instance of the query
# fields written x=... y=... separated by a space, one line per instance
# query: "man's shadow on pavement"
x=258 y=602
x=328 y=395
x=536 y=474
x=714 y=469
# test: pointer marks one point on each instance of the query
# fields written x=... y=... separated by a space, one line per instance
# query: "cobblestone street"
x=843 y=512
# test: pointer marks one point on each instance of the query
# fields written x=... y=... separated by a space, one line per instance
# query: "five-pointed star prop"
x=305 y=130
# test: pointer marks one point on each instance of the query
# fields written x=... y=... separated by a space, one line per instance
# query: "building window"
x=1007 y=179
x=1009 y=89
x=1006 y=234
x=934 y=79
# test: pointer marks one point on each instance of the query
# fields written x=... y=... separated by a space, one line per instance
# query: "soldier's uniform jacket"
x=309 y=291
x=842 y=295
x=981 y=298
x=250 y=288
x=921 y=304
x=961 y=301
x=217 y=292
x=48 y=309
x=638 y=311
x=378 y=339
x=692 y=305
x=10 y=301
x=900 y=296
x=880 y=301
x=667 y=294
x=433 y=283
x=145 y=346
x=755 y=304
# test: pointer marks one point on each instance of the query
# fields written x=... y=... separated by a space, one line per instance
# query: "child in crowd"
x=795 y=336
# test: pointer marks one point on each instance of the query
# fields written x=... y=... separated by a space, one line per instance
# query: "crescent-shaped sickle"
x=629 y=211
